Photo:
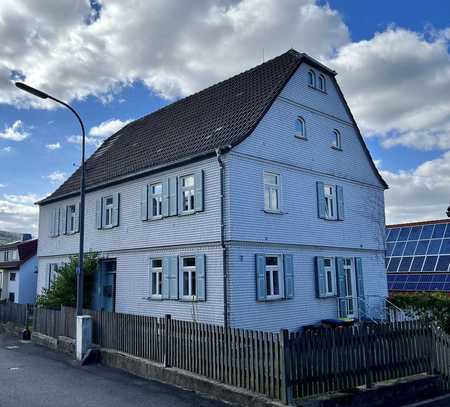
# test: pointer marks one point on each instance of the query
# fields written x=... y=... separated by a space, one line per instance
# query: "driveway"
x=32 y=376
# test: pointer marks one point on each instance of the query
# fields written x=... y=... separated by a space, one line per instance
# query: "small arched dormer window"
x=337 y=141
x=322 y=83
x=300 y=128
x=312 y=78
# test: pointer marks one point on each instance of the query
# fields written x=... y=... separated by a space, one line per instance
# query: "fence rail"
x=279 y=365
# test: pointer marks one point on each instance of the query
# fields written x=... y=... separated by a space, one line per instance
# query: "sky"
x=117 y=60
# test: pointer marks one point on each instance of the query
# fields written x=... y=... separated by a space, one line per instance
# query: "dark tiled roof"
x=219 y=116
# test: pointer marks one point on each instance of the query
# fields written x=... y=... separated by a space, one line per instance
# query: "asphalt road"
x=32 y=376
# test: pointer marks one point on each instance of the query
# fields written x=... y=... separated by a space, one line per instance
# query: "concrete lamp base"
x=84 y=335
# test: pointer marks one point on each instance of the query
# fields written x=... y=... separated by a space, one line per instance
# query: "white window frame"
x=337 y=140
x=11 y=274
x=188 y=191
x=192 y=276
x=312 y=75
x=270 y=190
x=322 y=83
x=330 y=276
x=71 y=219
x=109 y=210
x=329 y=192
x=158 y=272
x=300 y=122
x=156 y=200
x=52 y=273
x=269 y=272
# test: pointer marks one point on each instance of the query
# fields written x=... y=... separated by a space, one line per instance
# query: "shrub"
x=63 y=290
x=429 y=306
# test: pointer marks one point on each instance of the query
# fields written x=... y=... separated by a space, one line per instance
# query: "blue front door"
x=104 y=288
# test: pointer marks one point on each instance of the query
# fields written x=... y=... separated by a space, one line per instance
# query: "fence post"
x=368 y=354
x=167 y=318
x=433 y=349
x=285 y=385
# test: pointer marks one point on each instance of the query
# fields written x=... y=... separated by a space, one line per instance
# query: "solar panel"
x=418 y=257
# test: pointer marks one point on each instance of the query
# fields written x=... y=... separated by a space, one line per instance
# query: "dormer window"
x=322 y=83
x=337 y=142
x=300 y=128
x=312 y=78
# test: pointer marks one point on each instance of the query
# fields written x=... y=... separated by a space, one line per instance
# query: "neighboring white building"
x=253 y=203
x=18 y=271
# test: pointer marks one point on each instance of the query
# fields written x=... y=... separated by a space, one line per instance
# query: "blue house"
x=253 y=204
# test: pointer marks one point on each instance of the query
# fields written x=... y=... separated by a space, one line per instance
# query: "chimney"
x=26 y=236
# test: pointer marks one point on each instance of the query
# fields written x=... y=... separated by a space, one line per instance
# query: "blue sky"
x=116 y=63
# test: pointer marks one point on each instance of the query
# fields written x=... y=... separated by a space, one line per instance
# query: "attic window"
x=300 y=128
x=337 y=142
x=312 y=78
x=322 y=83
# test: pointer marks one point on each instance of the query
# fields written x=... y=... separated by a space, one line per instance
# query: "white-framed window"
x=156 y=197
x=311 y=78
x=189 y=275
x=330 y=201
x=322 y=83
x=274 y=281
x=330 y=276
x=337 y=142
x=272 y=192
x=71 y=218
x=188 y=193
x=300 y=128
x=52 y=273
x=12 y=276
x=109 y=208
x=156 y=276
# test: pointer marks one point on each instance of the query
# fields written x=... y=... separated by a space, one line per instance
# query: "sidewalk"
x=32 y=376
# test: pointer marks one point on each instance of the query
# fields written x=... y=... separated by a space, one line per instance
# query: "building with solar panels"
x=418 y=256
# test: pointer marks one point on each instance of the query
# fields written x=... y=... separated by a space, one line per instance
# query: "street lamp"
x=80 y=270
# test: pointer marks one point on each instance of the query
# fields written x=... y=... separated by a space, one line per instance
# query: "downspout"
x=222 y=237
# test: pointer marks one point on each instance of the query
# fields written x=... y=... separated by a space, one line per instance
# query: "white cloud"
x=6 y=149
x=16 y=132
x=89 y=140
x=18 y=213
x=57 y=176
x=107 y=128
x=397 y=84
x=54 y=146
x=3 y=185
x=418 y=194
x=55 y=48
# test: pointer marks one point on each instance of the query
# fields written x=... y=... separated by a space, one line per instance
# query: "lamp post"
x=80 y=270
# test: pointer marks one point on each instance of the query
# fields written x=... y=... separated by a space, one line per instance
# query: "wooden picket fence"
x=283 y=366
x=12 y=312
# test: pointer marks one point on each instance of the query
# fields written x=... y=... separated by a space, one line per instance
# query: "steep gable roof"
x=220 y=116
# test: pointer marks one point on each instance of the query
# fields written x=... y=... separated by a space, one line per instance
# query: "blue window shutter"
x=199 y=190
x=98 y=213
x=173 y=196
x=340 y=202
x=51 y=223
x=260 y=277
x=173 y=277
x=77 y=217
x=341 y=285
x=320 y=278
x=200 y=274
x=359 y=276
x=288 y=268
x=64 y=220
x=180 y=195
x=166 y=278
x=58 y=221
x=321 y=208
x=144 y=203
x=150 y=280
x=165 y=198
x=116 y=209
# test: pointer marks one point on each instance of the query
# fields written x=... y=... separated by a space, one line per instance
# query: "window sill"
x=318 y=90
x=189 y=299
x=336 y=148
x=153 y=298
x=274 y=212
x=152 y=218
x=301 y=138
x=186 y=213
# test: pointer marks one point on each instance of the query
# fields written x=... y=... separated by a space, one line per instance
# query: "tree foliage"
x=63 y=290
x=429 y=306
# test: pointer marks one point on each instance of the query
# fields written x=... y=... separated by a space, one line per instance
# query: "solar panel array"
x=418 y=257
